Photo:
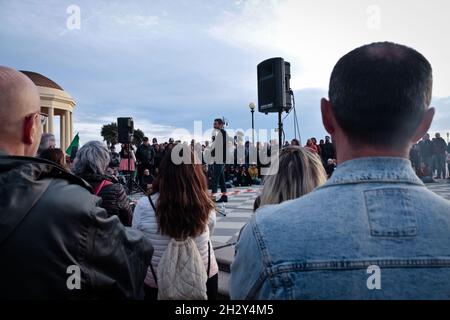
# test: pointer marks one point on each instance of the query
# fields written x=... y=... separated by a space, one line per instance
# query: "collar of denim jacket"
x=374 y=169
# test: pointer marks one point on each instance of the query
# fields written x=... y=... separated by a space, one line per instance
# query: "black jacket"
x=220 y=144
x=114 y=197
x=49 y=222
x=426 y=149
x=145 y=154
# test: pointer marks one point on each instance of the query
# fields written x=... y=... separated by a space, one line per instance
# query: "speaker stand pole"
x=280 y=130
x=130 y=183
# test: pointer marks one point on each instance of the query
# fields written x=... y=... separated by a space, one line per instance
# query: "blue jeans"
x=218 y=177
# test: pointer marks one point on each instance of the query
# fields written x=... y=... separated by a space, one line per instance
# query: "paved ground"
x=441 y=187
x=240 y=208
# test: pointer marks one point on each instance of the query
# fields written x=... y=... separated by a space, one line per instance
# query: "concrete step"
x=223 y=292
x=224 y=257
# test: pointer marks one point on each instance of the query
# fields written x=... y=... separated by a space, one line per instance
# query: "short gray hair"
x=93 y=157
x=47 y=141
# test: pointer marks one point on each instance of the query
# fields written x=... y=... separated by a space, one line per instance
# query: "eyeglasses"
x=42 y=117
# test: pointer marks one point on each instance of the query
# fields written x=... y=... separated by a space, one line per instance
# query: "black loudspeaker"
x=274 y=86
x=125 y=129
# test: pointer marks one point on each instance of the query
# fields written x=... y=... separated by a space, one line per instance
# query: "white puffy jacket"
x=144 y=219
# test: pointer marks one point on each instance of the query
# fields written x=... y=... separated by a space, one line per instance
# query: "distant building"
x=55 y=102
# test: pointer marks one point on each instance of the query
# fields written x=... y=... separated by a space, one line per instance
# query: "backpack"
x=181 y=273
x=100 y=186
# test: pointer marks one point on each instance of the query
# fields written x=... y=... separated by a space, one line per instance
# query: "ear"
x=327 y=115
x=424 y=125
x=30 y=129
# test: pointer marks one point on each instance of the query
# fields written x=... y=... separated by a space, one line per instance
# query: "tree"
x=109 y=133
x=138 y=137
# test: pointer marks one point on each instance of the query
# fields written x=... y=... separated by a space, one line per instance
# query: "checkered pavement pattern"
x=238 y=210
x=441 y=187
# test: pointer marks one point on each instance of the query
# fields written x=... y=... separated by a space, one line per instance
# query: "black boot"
x=223 y=198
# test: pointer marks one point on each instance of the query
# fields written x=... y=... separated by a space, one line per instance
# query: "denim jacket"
x=373 y=231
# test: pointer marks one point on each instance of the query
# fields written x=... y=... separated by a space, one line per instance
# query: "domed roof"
x=40 y=80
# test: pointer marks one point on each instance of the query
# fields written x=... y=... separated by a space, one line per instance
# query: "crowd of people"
x=431 y=158
x=317 y=227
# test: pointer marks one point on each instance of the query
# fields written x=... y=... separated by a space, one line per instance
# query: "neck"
x=346 y=151
x=15 y=150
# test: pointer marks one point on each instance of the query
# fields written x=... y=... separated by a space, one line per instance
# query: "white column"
x=51 y=114
x=71 y=126
x=62 y=133
x=45 y=128
x=67 y=127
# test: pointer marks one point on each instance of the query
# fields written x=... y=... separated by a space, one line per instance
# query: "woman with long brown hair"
x=180 y=207
x=55 y=155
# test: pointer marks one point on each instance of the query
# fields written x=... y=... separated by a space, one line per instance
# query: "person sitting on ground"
x=51 y=228
x=183 y=209
x=243 y=177
x=253 y=172
x=146 y=181
x=374 y=213
x=330 y=167
x=425 y=173
x=300 y=171
x=91 y=164
x=55 y=155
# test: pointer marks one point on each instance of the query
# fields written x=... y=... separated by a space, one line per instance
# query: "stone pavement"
x=238 y=210
x=441 y=187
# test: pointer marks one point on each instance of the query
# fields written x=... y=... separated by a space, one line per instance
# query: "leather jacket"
x=52 y=229
x=114 y=197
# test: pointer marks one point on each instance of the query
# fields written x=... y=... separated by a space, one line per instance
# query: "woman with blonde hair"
x=300 y=171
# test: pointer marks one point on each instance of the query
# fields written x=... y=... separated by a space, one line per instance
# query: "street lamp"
x=252 y=110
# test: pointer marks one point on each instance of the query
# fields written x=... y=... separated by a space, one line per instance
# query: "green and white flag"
x=75 y=143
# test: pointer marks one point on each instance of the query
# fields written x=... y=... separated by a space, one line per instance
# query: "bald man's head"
x=20 y=128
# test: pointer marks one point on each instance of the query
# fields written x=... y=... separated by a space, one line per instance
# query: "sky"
x=170 y=63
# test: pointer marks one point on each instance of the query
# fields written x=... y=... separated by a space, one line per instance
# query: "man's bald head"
x=19 y=98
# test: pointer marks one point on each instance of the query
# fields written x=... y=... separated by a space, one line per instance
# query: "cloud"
x=137 y=20
x=167 y=64
x=314 y=35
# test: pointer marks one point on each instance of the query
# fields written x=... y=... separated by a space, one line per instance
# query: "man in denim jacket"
x=373 y=231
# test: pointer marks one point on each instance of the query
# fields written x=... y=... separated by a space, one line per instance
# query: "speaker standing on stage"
x=219 y=152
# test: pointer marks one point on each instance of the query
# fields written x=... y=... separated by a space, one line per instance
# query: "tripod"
x=130 y=182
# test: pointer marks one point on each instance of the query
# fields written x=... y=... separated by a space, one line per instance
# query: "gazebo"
x=55 y=102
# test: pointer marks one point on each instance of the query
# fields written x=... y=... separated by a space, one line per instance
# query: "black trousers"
x=212 y=288
x=218 y=178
